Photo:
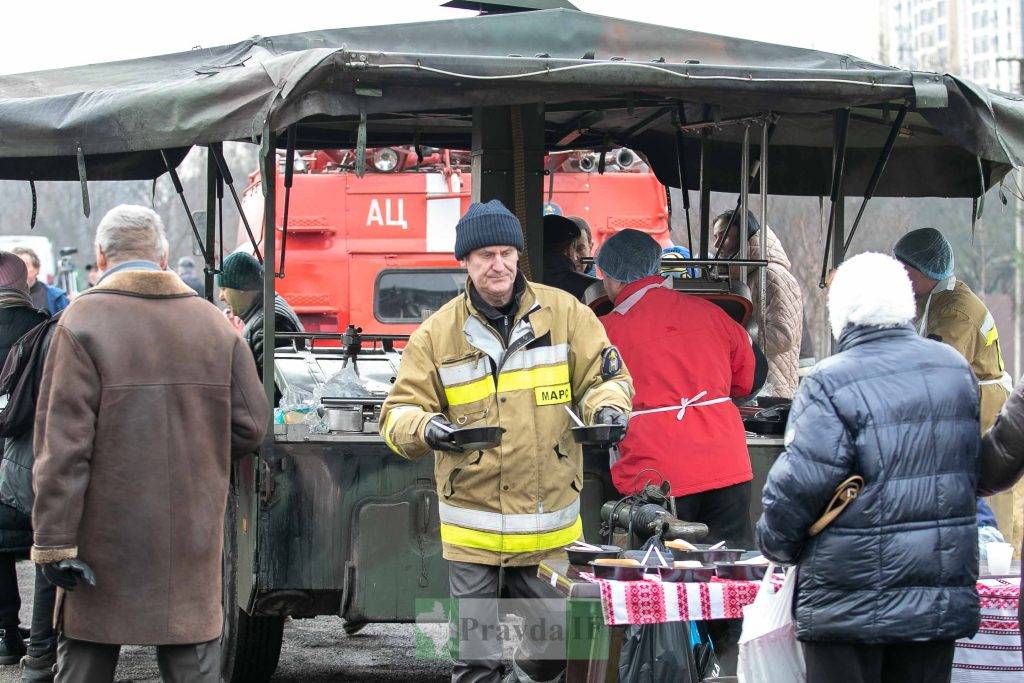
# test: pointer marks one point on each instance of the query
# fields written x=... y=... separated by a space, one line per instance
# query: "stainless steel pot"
x=346 y=419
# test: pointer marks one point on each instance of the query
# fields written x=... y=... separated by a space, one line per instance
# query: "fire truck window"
x=411 y=296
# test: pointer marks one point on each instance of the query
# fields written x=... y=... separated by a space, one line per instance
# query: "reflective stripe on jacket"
x=518 y=503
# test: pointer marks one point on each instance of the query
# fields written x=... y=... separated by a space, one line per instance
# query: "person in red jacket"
x=688 y=359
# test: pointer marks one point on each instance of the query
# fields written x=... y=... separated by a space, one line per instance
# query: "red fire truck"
x=376 y=251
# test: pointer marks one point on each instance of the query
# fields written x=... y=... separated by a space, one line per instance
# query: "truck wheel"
x=250 y=646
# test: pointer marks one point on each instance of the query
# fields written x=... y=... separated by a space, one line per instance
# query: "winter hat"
x=629 y=255
x=927 y=250
x=13 y=273
x=241 y=271
x=870 y=289
x=487 y=224
x=559 y=231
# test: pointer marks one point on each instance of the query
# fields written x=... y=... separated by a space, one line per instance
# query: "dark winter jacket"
x=15 y=467
x=560 y=272
x=285 y=321
x=901 y=562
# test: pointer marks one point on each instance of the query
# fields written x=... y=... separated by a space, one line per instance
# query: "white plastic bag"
x=769 y=651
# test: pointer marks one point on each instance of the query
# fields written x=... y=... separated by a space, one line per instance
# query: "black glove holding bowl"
x=67 y=573
x=611 y=416
x=438 y=435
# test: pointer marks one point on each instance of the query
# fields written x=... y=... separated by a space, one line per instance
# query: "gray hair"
x=130 y=232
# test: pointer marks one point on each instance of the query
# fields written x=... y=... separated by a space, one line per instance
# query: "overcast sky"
x=46 y=34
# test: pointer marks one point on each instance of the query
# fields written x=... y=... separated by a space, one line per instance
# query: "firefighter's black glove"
x=66 y=573
x=611 y=416
x=438 y=435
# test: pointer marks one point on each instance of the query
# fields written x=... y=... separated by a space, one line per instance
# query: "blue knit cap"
x=629 y=255
x=487 y=224
x=927 y=250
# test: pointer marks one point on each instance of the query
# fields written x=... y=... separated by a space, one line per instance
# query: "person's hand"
x=438 y=435
x=66 y=573
x=611 y=416
x=235 y=321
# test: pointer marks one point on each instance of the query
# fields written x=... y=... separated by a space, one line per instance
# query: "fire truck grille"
x=635 y=222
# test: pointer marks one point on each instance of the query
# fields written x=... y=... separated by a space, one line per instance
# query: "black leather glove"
x=438 y=436
x=66 y=573
x=611 y=416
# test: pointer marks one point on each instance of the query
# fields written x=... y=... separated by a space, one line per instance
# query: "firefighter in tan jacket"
x=948 y=311
x=512 y=354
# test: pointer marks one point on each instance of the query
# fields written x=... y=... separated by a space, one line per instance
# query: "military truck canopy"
x=602 y=81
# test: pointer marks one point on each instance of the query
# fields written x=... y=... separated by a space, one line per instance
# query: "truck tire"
x=250 y=646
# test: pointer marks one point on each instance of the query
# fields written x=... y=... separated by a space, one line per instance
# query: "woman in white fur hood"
x=870 y=289
x=889 y=585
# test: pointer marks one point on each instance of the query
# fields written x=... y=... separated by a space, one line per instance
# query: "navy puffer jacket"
x=901 y=562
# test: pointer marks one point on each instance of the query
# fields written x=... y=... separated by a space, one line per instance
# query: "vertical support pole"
x=268 y=172
x=508 y=165
x=1018 y=244
x=838 y=250
x=762 y=276
x=211 y=222
x=744 y=242
x=837 y=196
x=705 y=195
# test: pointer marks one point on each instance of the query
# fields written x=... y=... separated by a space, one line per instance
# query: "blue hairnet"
x=629 y=255
x=927 y=250
x=681 y=253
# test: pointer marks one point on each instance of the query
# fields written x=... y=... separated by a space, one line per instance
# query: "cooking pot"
x=346 y=419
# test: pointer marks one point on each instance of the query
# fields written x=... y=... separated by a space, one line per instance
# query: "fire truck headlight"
x=385 y=159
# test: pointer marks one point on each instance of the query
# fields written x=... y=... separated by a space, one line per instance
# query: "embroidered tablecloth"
x=653 y=602
x=992 y=656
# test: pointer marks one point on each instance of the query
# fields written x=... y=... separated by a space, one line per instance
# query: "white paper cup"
x=999 y=557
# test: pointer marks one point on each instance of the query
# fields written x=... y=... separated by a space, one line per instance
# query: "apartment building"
x=962 y=37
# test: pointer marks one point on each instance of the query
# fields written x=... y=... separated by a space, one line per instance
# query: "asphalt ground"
x=314 y=650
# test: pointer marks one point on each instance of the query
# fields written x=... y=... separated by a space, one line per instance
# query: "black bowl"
x=478 y=438
x=708 y=557
x=687 y=574
x=617 y=572
x=585 y=557
x=740 y=572
x=598 y=435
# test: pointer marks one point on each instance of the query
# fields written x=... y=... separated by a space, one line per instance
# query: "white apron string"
x=1005 y=382
x=631 y=300
x=684 y=403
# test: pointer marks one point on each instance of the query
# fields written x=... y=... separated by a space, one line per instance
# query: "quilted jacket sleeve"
x=783 y=311
x=1002 y=447
x=819 y=455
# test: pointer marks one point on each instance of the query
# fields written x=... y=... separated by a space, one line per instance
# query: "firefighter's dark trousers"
x=79 y=661
x=476 y=588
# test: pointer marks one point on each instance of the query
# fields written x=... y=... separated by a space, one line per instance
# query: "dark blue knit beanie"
x=240 y=271
x=487 y=224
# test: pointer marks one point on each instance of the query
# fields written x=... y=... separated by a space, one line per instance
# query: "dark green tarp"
x=599 y=79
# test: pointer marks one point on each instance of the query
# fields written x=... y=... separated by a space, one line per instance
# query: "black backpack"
x=20 y=379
